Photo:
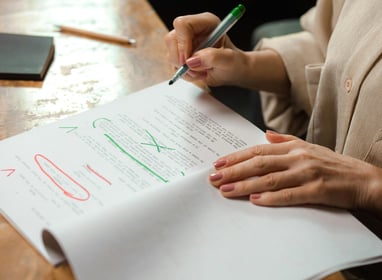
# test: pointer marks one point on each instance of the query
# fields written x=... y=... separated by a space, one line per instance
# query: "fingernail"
x=216 y=176
x=255 y=196
x=220 y=163
x=181 y=59
x=271 y=132
x=227 y=188
x=194 y=61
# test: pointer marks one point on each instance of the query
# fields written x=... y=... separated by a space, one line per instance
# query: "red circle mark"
x=68 y=194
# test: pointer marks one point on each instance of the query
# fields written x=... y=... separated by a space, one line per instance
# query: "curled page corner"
x=53 y=248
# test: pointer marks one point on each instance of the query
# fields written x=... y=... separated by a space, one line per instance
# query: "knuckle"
x=287 y=196
x=301 y=154
x=319 y=189
x=270 y=181
x=168 y=37
x=180 y=20
x=311 y=171
x=256 y=150
x=245 y=188
x=231 y=173
x=258 y=163
x=297 y=143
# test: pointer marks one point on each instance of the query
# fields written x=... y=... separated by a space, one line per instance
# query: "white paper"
x=186 y=230
x=64 y=170
x=123 y=191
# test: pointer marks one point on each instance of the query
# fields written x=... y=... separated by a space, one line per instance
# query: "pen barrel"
x=181 y=71
x=224 y=26
x=218 y=33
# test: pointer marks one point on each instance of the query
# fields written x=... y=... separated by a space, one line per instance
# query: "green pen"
x=219 y=31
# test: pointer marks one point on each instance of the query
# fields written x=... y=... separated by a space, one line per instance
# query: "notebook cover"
x=25 y=57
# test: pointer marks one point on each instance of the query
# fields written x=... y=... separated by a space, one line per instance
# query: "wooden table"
x=85 y=73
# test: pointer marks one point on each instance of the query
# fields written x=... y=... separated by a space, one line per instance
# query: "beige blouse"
x=335 y=70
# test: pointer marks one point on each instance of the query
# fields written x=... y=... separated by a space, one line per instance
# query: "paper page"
x=64 y=170
x=187 y=230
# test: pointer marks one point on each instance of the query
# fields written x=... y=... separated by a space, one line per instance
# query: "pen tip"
x=170 y=82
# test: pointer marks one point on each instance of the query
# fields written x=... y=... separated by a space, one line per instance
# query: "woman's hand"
x=290 y=171
x=222 y=64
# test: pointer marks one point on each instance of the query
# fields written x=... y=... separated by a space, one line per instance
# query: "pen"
x=219 y=31
x=95 y=35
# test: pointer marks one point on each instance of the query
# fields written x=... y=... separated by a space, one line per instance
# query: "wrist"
x=373 y=202
x=267 y=72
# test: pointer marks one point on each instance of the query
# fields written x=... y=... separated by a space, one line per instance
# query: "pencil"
x=96 y=35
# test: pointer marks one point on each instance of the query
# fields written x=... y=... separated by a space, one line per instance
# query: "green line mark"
x=135 y=159
x=71 y=128
x=96 y=120
x=158 y=147
x=155 y=143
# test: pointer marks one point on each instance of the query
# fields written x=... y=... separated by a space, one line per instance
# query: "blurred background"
x=257 y=14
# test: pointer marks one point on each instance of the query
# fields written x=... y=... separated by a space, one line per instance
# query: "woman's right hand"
x=219 y=65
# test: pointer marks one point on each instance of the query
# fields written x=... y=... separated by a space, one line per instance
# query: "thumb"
x=209 y=58
x=203 y=60
x=274 y=137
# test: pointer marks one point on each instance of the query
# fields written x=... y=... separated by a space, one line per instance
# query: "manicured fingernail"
x=181 y=58
x=220 y=163
x=227 y=188
x=255 y=196
x=216 y=176
x=271 y=132
x=194 y=61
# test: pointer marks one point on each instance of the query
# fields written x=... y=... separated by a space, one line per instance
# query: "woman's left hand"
x=290 y=171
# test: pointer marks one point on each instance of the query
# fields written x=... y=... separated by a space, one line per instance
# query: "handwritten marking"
x=97 y=174
x=38 y=158
x=9 y=170
x=155 y=143
x=135 y=159
x=70 y=128
x=99 y=119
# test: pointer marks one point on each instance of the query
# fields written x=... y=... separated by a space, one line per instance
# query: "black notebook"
x=25 y=57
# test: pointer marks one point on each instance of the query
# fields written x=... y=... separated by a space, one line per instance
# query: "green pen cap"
x=238 y=11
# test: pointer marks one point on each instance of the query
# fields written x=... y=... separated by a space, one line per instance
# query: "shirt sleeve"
x=289 y=113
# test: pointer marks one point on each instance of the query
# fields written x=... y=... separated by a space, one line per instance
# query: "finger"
x=253 y=167
x=210 y=58
x=251 y=152
x=195 y=75
x=184 y=37
x=286 y=197
x=172 y=48
x=312 y=192
x=274 y=137
x=273 y=181
x=218 y=63
x=192 y=30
